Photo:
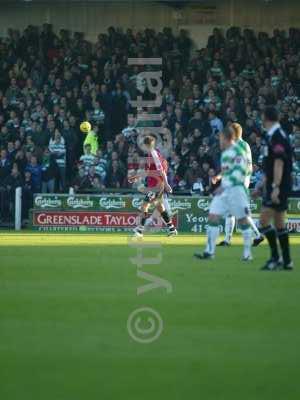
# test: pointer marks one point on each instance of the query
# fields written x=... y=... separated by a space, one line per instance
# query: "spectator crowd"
x=50 y=83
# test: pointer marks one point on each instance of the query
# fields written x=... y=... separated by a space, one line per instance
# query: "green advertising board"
x=191 y=211
x=126 y=203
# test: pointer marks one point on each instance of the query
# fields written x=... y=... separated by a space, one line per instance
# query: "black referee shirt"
x=278 y=147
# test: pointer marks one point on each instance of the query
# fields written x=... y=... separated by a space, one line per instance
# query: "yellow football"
x=85 y=127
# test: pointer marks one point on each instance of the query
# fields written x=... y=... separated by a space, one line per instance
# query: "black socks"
x=271 y=236
x=165 y=216
x=283 y=237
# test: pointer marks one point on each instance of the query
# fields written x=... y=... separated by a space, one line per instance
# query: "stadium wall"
x=200 y=18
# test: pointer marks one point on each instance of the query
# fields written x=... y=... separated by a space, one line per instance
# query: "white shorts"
x=232 y=201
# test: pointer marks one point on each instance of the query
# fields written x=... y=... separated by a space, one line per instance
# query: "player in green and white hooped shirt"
x=231 y=197
x=230 y=219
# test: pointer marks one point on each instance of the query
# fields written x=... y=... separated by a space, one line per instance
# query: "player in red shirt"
x=156 y=185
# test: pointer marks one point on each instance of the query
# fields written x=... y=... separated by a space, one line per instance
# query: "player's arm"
x=277 y=178
x=278 y=149
x=216 y=179
x=134 y=178
x=258 y=188
x=161 y=170
x=249 y=158
x=278 y=172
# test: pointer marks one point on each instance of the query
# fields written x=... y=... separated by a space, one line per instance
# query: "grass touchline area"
x=94 y=239
x=230 y=331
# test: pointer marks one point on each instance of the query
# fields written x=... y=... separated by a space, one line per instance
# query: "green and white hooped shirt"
x=234 y=166
x=245 y=148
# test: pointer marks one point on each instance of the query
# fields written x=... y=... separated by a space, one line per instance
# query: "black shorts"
x=283 y=199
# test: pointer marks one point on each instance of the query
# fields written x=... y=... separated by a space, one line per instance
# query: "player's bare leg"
x=139 y=230
x=156 y=216
x=161 y=210
x=152 y=219
x=172 y=231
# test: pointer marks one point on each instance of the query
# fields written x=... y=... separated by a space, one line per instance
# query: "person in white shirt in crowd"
x=101 y=165
x=131 y=131
x=215 y=122
x=87 y=159
x=57 y=147
x=97 y=115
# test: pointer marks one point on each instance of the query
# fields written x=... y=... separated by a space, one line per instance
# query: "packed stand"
x=50 y=83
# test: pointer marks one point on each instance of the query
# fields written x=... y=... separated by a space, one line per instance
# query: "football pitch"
x=70 y=327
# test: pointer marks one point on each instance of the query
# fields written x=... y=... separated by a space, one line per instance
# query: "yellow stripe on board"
x=69 y=239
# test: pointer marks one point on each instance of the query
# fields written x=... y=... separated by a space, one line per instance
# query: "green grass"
x=230 y=330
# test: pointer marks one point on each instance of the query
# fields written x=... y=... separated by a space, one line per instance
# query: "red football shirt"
x=157 y=164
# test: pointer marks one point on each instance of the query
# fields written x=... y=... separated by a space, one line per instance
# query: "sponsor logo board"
x=109 y=203
x=84 y=218
x=79 y=202
x=203 y=204
x=43 y=201
x=137 y=202
x=180 y=204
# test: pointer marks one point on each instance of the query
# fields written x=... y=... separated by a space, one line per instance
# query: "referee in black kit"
x=278 y=182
